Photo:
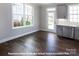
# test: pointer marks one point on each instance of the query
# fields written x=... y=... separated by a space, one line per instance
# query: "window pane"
x=51 y=20
x=75 y=16
x=71 y=20
x=17 y=20
x=51 y=9
x=28 y=14
x=30 y=19
x=50 y=14
x=78 y=7
x=75 y=20
x=70 y=7
x=74 y=13
x=17 y=8
x=17 y=14
x=78 y=16
x=28 y=10
x=17 y=17
x=78 y=19
x=71 y=16
x=75 y=8
x=71 y=11
x=78 y=11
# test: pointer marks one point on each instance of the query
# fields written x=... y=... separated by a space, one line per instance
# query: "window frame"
x=49 y=10
x=23 y=17
x=72 y=5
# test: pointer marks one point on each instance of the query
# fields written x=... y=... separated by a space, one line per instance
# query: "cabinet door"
x=61 y=11
x=77 y=33
x=59 y=30
x=68 y=32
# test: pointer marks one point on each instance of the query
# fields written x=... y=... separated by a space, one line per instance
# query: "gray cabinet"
x=68 y=32
x=61 y=11
x=77 y=33
x=59 y=30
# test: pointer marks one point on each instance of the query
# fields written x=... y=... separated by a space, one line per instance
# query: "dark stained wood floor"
x=40 y=43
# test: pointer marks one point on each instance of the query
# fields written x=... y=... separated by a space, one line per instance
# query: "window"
x=74 y=13
x=22 y=15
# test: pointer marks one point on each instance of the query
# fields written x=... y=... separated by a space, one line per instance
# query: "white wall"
x=6 y=30
x=4 y=21
x=43 y=17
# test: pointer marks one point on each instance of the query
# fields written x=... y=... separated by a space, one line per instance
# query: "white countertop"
x=67 y=23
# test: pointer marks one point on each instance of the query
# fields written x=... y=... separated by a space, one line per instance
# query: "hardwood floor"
x=40 y=43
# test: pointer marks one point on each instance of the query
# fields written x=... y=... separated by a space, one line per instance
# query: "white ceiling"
x=49 y=4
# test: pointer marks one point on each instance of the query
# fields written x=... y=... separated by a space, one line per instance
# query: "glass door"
x=51 y=20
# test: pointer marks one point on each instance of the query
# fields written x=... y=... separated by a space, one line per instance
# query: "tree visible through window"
x=22 y=15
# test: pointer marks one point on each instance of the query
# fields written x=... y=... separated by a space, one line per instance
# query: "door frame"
x=50 y=30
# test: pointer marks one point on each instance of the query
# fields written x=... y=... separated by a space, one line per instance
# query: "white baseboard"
x=14 y=37
x=47 y=30
x=43 y=29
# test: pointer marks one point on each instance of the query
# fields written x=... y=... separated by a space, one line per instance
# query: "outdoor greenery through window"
x=22 y=15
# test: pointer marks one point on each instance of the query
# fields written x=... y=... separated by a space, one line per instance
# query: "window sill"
x=22 y=27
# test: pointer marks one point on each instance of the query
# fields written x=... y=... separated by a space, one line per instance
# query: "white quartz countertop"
x=65 y=22
x=68 y=25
